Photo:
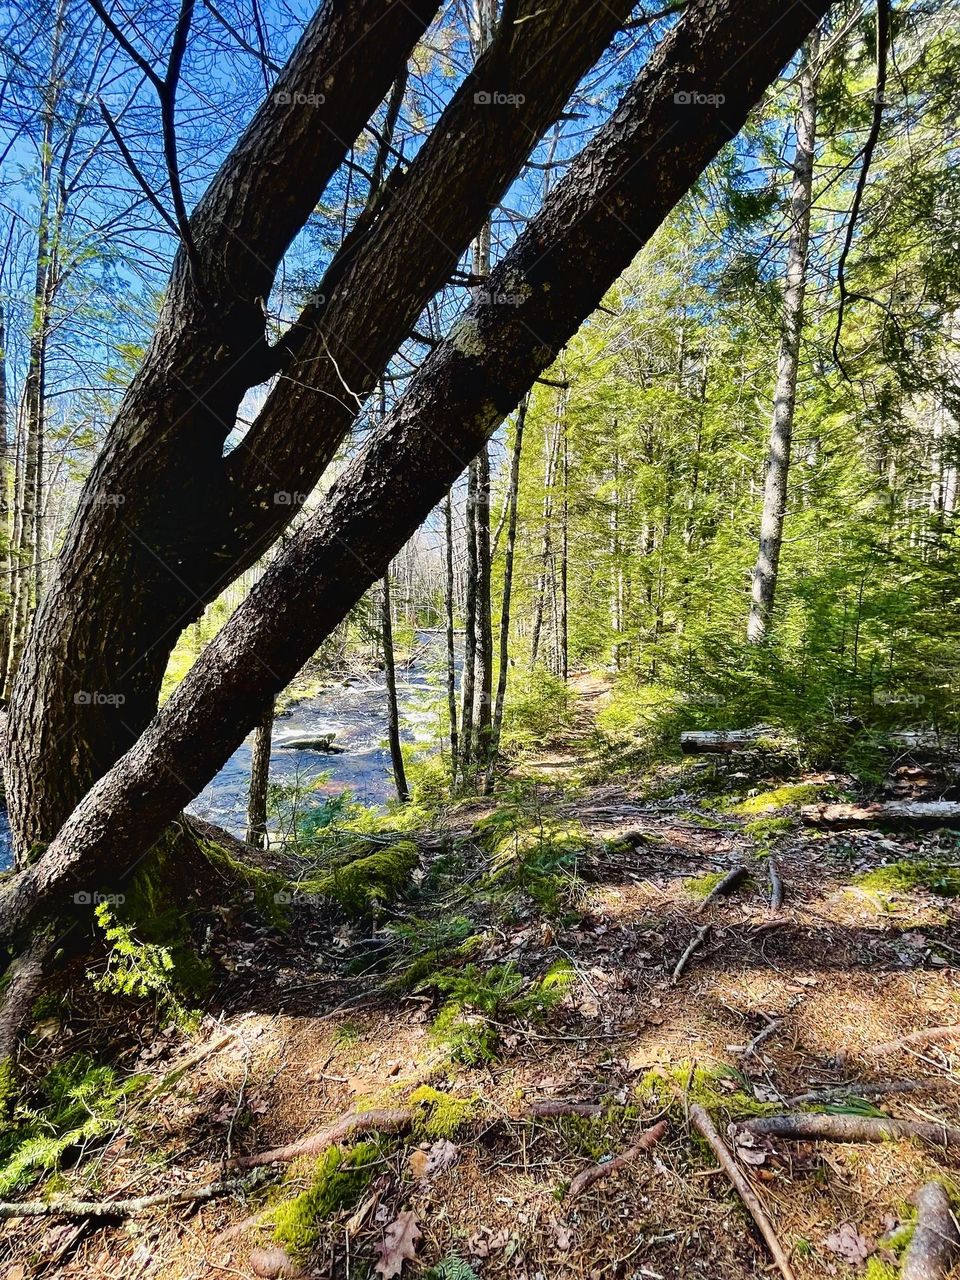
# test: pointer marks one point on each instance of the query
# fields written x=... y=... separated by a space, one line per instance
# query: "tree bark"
x=260 y=781
x=610 y=202
x=924 y=814
x=393 y=711
x=450 y=609
x=776 y=477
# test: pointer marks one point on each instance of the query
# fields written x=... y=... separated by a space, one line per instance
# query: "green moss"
x=266 y=888
x=902 y=877
x=768 y=828
x=794 y=793
x=339 y=1179
x=363 y=883
x=539 y=860
x=664 y=1089
x=701 y=886
x=441 y=1115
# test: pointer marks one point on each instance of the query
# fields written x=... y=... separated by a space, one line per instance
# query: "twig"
x=705 y=1127
x=935 y=1243
x=645 y=1142
x=728 y=883
x=841 y=1128
x=776 y=884
x=695 y=943
x=127 y=1208
x=930 y=1035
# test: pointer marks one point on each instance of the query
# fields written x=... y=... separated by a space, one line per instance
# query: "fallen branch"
x=127 y=1208
x=695 y=943
x=935 y=1243
x=395 y=1120
x=840 y=1128
x=869 y=1089
x=727 y=741
x=887 y=813
x=705 y=1127
x=776 y=884
x=916 y=1040
x=645 y=1142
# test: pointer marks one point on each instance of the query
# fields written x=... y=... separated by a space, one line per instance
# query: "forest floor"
x=320 y=1018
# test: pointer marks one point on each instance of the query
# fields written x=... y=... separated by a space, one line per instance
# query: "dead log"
x=646 y=1141
x=935 y=1243
x=701 y=1121
x=698 y=742
x=800 y=1126
x=724 y=886
x=886 y=813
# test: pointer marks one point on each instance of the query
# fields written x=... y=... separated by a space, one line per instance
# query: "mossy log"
x=920 y=814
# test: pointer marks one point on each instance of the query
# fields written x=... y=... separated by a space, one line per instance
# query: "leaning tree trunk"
x=777 y=473
x=450 y=611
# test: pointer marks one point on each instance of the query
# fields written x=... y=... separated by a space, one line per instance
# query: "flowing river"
x=352 y=710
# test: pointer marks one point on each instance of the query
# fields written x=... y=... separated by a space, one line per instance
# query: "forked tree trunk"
x=611 y=200
x=167 y=520
x=776 y=477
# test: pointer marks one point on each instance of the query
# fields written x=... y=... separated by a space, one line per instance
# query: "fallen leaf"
x=562 y=1235
x=399 y=1245
x=849 y=1244
x=273 y=1264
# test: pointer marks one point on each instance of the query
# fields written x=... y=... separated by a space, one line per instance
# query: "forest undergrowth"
x=481 y=1048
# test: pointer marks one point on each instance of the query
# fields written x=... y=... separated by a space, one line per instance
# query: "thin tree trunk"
x=393 y=711
x=469 y=677
x=260 y=780
x=484 y=658
x=6 y=582
x=776 y=478
x=504 y=645
x=551 y=452
x=450 y=608
x=562 y=642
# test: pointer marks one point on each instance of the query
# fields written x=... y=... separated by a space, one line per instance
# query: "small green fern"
x=451 y=1268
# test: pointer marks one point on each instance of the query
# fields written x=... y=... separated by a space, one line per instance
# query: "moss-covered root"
x=339 y=1179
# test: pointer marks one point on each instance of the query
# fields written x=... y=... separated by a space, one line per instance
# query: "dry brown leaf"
x=399 y=1245
x=849 y=1244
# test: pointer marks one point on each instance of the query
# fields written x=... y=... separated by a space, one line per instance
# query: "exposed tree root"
x=21 y=984
x=695 y=943
x=840 y=1128
x=395 y=1120
x=917 y=1040
x=868 y=1089
x=645 y=1142
x=705 y=1127
x=126 y=1208
x=724 y=886
x=935 y=1244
